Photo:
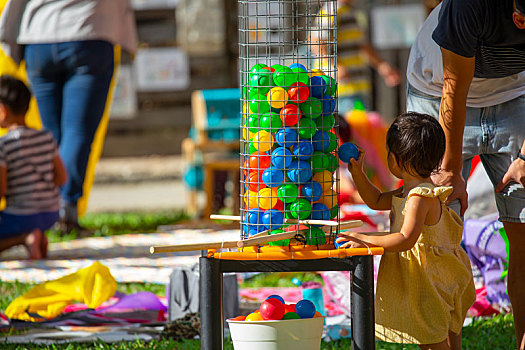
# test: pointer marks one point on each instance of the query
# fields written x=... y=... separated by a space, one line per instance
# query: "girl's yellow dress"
x=424 y=292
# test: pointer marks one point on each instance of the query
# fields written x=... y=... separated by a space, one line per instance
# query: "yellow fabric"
x=426 y=291
x=91 y=285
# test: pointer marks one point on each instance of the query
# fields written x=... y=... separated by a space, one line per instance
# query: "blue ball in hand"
x=347 y=151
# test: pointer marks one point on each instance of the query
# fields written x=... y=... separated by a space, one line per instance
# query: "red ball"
x=279 y=206
x=298 y=92
x=259 y=160
x=255 y=182
x=289 y=308
x=290 y=115
x=272 y=309
x=270 y=69
x=239 y=318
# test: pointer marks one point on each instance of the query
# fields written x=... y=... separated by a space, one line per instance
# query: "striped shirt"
x=28 y=155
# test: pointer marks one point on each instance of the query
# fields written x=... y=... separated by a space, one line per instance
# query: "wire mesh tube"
x=288 y=75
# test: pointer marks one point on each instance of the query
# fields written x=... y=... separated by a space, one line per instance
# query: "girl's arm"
x=3 y=181
x=416 y=211
x=370 y=194
x=59 y=171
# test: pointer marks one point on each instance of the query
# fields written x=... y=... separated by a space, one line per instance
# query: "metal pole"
x=362 y=300
x=210 y=304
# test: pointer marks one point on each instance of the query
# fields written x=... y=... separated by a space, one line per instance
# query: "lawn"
x=495 y=333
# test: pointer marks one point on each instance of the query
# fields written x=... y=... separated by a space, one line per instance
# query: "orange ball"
x=289 y=307
x=317 y=314
x=240 y=318
x=254 y=317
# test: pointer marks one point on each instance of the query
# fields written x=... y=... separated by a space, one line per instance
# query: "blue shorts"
x=495 y=133
x=14 y=225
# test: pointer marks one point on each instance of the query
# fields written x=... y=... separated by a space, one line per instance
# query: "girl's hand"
x=350 y=240
x=357 y=165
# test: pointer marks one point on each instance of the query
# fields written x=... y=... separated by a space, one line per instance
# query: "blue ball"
x=346 y=151
x=321 y=140
x=337 y=245
x=320 y=212
x=281 y=157
x=254 y=216
x=305 y=309
x=299 y=171
x=250 y=230
x=286 y=137
x=328 y=104
x=272 y=177
x=317 y=86
x=303 y=150
x=312 y=191
x=297 y=65
x=272 y=219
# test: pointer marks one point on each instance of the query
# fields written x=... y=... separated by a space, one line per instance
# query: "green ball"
x=284 y=77
x=332 y=162
x=260 y=83
x=301 y=76
x=271 y=122
x=306 y=128
x=253 y=123
x=333 y=142
x=288 y=212
x=334 y=211
x=325 y=122
x=311 y=108
x=257 y=67
x=315 y=236
x=288 y=193
x=279 y=243
x=291 y=316
x=331 y=85
x=319 y=161
x=259 y=104
x=301 y=209
x=250 y=148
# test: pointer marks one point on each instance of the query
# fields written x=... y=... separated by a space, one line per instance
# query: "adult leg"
x=454 y=340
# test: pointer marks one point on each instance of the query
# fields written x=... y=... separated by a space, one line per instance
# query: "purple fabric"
x=135 y=301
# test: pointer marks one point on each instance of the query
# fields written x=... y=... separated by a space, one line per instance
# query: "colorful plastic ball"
x=279 y=205
x=246 y=133
x=272 y=177
x=319 y=161
x=306 y=128
x=259 y=160
x=240 y=318
x=251 y=199
x=334 y=211
x=328 y=105
x=288 y=193
x=255 y=182
x=272 y=309
x=316 y=315
x=257 y=67
x=315 y=72
x=333 y=142
x=272 y=219
x=301 y=76
x=321 y=140
x=320 y=212
x=324 y=178
x=281 y=157
x=298 y=92
x=348 y=151
x=301 y=209
x=329 y=198
x=291 y=316
x=270 y=122
x=250 y=230
x=325 y=122
x=332 y=162
x=311 y=108
x=263 y=141
x=339 y=244
x=278 y=297
x=315 y=236
x=302 y=150
x=281 y=242
x=299 y=171
x=289 y=308
x=290 y=115
x=317 y=86
x=286 y=137
x=277 y=97
x=254 y=316
x=254 y=216
x=331 y=85
x=260 y=82
x=267 y=198
x=312 y=191
x=253 y=123
x=249 y=147
x=304 y=308
x=295 y=65
x=259 y=104
x=284 y=76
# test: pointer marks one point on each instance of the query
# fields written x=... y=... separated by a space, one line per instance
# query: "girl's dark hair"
x=418 y=143
x=345 y=132
x=14 y=94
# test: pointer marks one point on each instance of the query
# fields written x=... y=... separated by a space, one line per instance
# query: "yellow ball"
x=263 y=141
x=329 y=198
x=277 y=97
x=267 y=198
x=251 y=199
x=325 y=178
x=246 y=109
x=246 y=134
x=315 y=72
x=254 y=317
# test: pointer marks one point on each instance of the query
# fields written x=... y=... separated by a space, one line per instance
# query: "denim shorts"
x=14 y=225
x=496 y=134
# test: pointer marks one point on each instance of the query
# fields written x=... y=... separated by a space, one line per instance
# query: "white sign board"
x=124 y=105
x=162 y=69
x=396 y=26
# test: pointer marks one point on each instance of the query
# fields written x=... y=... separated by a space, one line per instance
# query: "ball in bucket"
x=348 y=151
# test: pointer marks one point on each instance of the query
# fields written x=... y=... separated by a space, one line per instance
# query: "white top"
x=425 y=72
x=52 y=21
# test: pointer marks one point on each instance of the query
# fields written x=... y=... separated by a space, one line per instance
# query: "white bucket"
x=303 y=334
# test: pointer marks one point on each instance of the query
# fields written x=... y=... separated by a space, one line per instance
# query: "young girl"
x=425 y=284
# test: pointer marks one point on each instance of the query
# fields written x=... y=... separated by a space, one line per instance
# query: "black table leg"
x=210 y=296
x=362 y=298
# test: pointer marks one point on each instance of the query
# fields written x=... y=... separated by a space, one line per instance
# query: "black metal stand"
x=362 y=293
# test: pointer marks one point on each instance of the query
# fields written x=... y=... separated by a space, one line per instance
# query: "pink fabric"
x=481 y=306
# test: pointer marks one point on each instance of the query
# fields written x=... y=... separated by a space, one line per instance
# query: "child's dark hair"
x=14 y=94
x=418 y=143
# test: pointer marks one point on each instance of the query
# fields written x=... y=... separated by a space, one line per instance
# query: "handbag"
x=10 y=27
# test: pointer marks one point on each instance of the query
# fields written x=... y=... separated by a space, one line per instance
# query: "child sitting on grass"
x=30 y=173
x=424 y=283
